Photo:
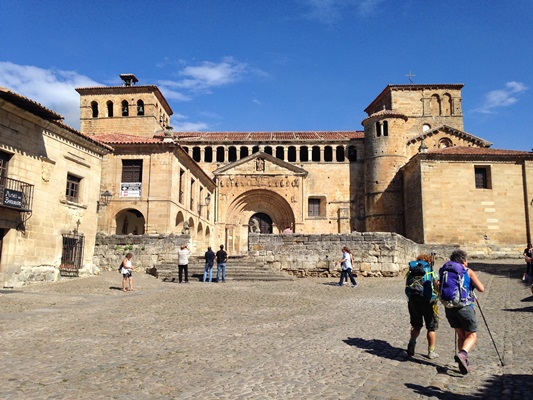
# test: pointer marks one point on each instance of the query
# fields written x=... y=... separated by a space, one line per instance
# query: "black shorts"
x=421 y=311
x=127 y=275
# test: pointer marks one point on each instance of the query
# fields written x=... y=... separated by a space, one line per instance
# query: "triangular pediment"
x=451 y=133
x=260 y=164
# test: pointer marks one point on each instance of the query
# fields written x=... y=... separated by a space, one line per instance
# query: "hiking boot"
x=432 y=354
x=462 y=361
x=411 y=348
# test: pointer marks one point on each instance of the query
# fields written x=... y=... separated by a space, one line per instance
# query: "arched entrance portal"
x=260 y=223
x=270 y=211
x=130 y=221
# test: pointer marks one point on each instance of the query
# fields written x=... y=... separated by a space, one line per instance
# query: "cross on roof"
x=410 y=75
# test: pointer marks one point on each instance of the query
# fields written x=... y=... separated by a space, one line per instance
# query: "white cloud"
x=330 y=11
x=52 y=88
x=207 y=75
x=502 y=97
x=180 y=124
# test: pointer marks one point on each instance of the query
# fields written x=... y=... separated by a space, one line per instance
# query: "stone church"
x=412 y=170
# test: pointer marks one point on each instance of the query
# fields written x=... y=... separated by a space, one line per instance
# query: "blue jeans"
x=347 y=272
x=221 y=272
x=208 y=268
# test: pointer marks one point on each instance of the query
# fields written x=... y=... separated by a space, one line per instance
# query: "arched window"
x=196 y=154
x=125 y=108
x=304 y=154
x=109 y=108
x=255 y=149
x=378 y=129
x=94 y=107
x=435 y=105
x=328 y=154
x=208 y=154
x=268 y=150
x=140 y=107
x=352 y=154
x=291 y=155
x=244 y=152
x=445 y=142
x=220 y=154
x=280 y=152
x=385 y=128
x=339 y=154
x=232 y=154
x=446 y=106
x=315 y=154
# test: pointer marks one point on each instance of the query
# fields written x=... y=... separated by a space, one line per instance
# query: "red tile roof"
x=266 y=136
x=461 y=150
x=121 y=138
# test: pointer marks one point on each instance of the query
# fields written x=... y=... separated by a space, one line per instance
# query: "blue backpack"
x=454 y=285
x=419 y=281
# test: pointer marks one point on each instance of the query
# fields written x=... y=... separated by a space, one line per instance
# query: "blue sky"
x=277 y=65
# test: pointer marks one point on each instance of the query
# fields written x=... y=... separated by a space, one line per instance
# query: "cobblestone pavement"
x=307 y=339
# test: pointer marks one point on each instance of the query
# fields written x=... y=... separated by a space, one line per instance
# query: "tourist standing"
x=457 y=284
x=183 y=263
x=127 y=272
x=346 y=265
x=222 y=258
x=209 y=261
x=421 y=284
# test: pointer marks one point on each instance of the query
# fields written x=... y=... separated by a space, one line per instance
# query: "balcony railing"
x=16 y=194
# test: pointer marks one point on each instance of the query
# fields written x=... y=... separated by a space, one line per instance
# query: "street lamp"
x=105 y=198
x=207 y=202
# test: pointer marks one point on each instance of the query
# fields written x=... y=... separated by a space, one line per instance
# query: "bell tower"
x=126 y=109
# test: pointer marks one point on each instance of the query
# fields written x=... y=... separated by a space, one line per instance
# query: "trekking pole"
x=487 y=325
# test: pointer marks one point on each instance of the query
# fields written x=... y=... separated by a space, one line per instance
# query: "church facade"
x=412 y=170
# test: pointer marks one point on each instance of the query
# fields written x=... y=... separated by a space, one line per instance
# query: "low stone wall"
x=148 y=250
x=375 y=254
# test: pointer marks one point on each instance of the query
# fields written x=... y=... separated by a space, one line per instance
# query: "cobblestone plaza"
x=83 y=338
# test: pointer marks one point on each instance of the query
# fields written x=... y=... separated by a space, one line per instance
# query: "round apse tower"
x=385 y=154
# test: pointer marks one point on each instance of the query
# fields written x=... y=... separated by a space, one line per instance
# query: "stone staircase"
x=238 y=268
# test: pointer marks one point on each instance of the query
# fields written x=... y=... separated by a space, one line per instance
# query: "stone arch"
x=244 y=206
x=446 y=104
x=130 y=221
x=435 y=105
x=180 y=219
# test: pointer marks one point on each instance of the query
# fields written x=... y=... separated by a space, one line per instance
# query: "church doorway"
x=260 y=223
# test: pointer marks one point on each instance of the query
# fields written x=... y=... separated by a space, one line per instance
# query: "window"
x=232 y=154
x=140 y=107
x=313 y=207
x=125 y=108
x=220 y=154
x=291 y=155
x=304 y=154
x=196 y=154
x=328 y=154
x=109 y=108
x=244 y=152
x=280 y=152
x=482 y=177
x=339 y=154
x=94 y=107
x=73 y=188
x=208 y=154
x=132 y=170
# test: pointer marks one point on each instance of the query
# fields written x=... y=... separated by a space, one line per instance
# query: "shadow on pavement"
x=522 y=388
x=524 y=309
x=383 y=349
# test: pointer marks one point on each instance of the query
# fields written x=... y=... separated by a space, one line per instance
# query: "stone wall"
x=375 y=254
x=148 y=250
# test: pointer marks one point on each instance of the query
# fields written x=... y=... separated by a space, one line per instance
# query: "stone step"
x=240 y=269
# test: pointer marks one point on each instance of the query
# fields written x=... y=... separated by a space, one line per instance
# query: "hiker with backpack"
x=421 y=286
x=457 y=284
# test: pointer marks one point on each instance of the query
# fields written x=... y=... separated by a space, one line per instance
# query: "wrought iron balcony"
x=16 y=194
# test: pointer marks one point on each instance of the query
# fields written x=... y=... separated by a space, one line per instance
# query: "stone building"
x=412 y=170
x=49 y=193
